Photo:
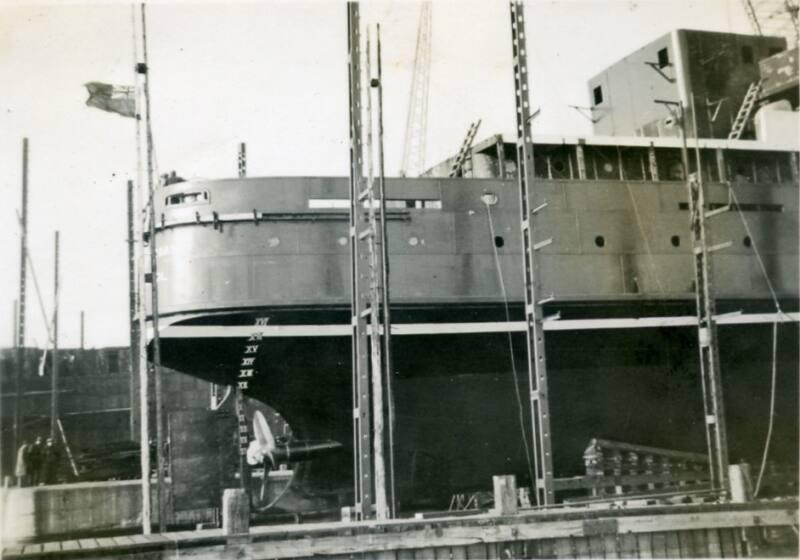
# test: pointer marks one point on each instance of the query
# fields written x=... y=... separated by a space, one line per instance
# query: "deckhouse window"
x=598 y=95
x=663 y=58
x=186 y=198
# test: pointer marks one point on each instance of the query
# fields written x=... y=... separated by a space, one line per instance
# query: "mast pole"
x=54 y=376
x=23 y=275
x=82 y=332
x=162 y=510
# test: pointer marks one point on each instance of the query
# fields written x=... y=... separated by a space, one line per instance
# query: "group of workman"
x=37 y=463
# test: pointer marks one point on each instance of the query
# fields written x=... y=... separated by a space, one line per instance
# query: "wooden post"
x=82 y=332
x=235 y=512
x=54 y=376
x=740 y=482
x=505 y=494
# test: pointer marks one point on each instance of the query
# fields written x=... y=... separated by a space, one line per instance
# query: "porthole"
x=675 y=240
x=489 y=199
x=413 y=241
x=600 y=241
x=747 y=241
x=273 y=241
x=499 y=241
x=342 y=241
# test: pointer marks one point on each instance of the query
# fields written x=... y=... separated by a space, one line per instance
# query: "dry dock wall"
x=57 y=510
x=694 y=531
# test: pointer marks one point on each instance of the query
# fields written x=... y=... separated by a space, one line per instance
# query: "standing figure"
x=35 y=462
x=22 y=468
x=50 y=462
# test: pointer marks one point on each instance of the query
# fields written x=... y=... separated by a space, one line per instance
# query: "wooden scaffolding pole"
x=19 y=366
x=162 y=509
x=537 y=363
x=362 y=448
x=54 y=371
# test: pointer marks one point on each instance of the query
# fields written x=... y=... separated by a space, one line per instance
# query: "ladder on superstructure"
x=537 y=363
x=369 y=278
x=464 y=151
x=745 y=110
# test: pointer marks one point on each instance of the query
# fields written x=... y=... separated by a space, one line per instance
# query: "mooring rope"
x=647 y=249
x=520 y=409
x=779 y=312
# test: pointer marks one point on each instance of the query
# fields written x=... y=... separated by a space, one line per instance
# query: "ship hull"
x=460 y=398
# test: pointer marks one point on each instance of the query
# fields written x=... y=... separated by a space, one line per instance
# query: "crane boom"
x=417 y=119
x=774 y=17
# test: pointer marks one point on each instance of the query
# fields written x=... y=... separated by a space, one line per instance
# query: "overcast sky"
x=273 y=75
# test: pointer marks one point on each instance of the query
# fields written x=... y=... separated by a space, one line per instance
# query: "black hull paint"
x=457 y=418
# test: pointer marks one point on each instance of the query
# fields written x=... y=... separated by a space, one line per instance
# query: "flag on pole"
x=115 y=99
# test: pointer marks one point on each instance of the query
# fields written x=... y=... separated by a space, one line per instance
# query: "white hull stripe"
x=242 y=331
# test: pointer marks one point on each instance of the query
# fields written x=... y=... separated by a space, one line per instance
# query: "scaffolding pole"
x=359 y=288
x=133 y=323
x=537 y=363
x=713 y=402
x=23 y=276
x=162 y=509
x=54 y=372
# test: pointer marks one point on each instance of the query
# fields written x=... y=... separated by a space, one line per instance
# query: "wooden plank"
x=628 y=546
x=700 y=549
x=31 y=549
x=713 y=544
x=140 y=539
x=124 y=540
x=70 y=545
x=52 y=546
x=106 y=542
x=673 y=544
x=9 y=550
x=477 y=551
x=581 y=547
x=597 y=547
x=564 y=548
x=659 y=543
x=726 y=543
x=405 y=554
x=645 y=545
x=545 y=548
x=87 y=544
x=611 y=543
x=425 y=553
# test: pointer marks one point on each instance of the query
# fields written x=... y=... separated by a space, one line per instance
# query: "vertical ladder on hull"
x=368 y=274
x=745 y=110
x=464 y=151
x=537 y=363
